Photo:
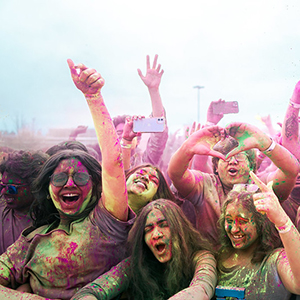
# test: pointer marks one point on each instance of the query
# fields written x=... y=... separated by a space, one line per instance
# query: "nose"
x=232 y=160
x=70 y=182
x=235 y=227
x=157 y=234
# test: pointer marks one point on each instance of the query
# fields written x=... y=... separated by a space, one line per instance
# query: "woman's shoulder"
x=203 y=255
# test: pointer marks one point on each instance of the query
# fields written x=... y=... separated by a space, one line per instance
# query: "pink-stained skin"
x=233 y=172
x=158 y=236
x=70 y=199
x=143 y=184
x=240 y=226
x=20 y=201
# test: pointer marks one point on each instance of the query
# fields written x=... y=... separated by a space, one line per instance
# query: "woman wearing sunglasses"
x=81 y=214
x=260 y=245
x=18 y=170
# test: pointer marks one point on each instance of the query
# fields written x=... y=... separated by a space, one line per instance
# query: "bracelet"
x=208 y=123
x=286 y=227
x=125 y=146
x=271 y=147
x=295 y=105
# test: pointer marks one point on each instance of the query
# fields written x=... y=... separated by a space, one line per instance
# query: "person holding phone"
x=232 y=165
x=157 y=140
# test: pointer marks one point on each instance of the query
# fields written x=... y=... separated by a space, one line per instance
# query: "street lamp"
x=198 y=101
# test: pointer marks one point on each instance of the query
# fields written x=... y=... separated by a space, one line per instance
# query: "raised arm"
x=114 y=194
x=152 y=81
x=290 y=128
x=203 y=284
x=288 y=265
x=284 y=177
x=200 y=142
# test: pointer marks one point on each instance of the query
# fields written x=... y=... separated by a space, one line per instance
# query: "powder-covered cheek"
x=53 y=196
x=86 y=201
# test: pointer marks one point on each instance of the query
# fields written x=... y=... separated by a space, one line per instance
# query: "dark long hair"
x=163 y=190
x=268 y=237
x=43 y=210
x=150 y=279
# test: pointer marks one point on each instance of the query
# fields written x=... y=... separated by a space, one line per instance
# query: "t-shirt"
x=11 y=226
x=207 y=197
x=261 y=280
x=58 y=263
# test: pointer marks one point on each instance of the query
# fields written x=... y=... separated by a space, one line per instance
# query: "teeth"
x=237 y=236
x=70 y=195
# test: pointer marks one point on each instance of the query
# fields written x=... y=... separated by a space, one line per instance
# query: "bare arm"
x=114 y=192
x=152 y=81
x=200 y=142
x=290 y=128
x=203 y=284
x=249 y=137
x=289 y=261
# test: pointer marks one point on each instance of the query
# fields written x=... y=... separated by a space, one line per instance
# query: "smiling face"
x=20 y=201
x=70 y=199
x=142 y=185
x=240 y=226
x=235 y=170
x=158 y=236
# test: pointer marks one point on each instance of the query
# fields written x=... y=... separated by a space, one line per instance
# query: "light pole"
x=198 y=101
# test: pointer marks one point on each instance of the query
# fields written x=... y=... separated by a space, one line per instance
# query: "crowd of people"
x=174 y=221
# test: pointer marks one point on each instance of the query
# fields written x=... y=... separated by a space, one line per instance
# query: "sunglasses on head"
x=11 y=189
x=245 y=187
x=60 y=179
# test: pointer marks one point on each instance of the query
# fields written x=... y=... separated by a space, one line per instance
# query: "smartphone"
x=227 y=107
x=149 y=125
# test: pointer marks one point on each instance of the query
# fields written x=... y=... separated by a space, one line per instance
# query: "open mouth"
x=232 y=171
x=69 y=198
x=140 y=183
x=160 y=247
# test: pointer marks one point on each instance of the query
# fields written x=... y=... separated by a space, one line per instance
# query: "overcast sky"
x=247 y=51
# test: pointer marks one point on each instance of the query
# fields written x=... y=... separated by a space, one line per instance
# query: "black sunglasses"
x=60 y=179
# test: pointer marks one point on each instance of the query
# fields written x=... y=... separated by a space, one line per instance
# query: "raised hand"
x=248 y=137
x=202 y=141
x=89 y=81
x=194 y=127
x=128 y=133
x=153 y=75
x=267 y=202
x=211 y=117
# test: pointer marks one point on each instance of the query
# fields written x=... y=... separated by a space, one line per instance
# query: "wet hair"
x=150 y=279
x=163 y=190
x=43 y=210
x=225 y=146
x=24 y=164
x=268 y=237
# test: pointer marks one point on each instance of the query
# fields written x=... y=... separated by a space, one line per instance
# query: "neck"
x=136 y=202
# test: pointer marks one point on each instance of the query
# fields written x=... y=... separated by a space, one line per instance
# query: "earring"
x=48 y=196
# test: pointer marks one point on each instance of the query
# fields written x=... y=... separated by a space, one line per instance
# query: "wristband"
x=271 y=147
x=210 y=123
x=295 y=105
x=125 y=146
x=286 y=227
